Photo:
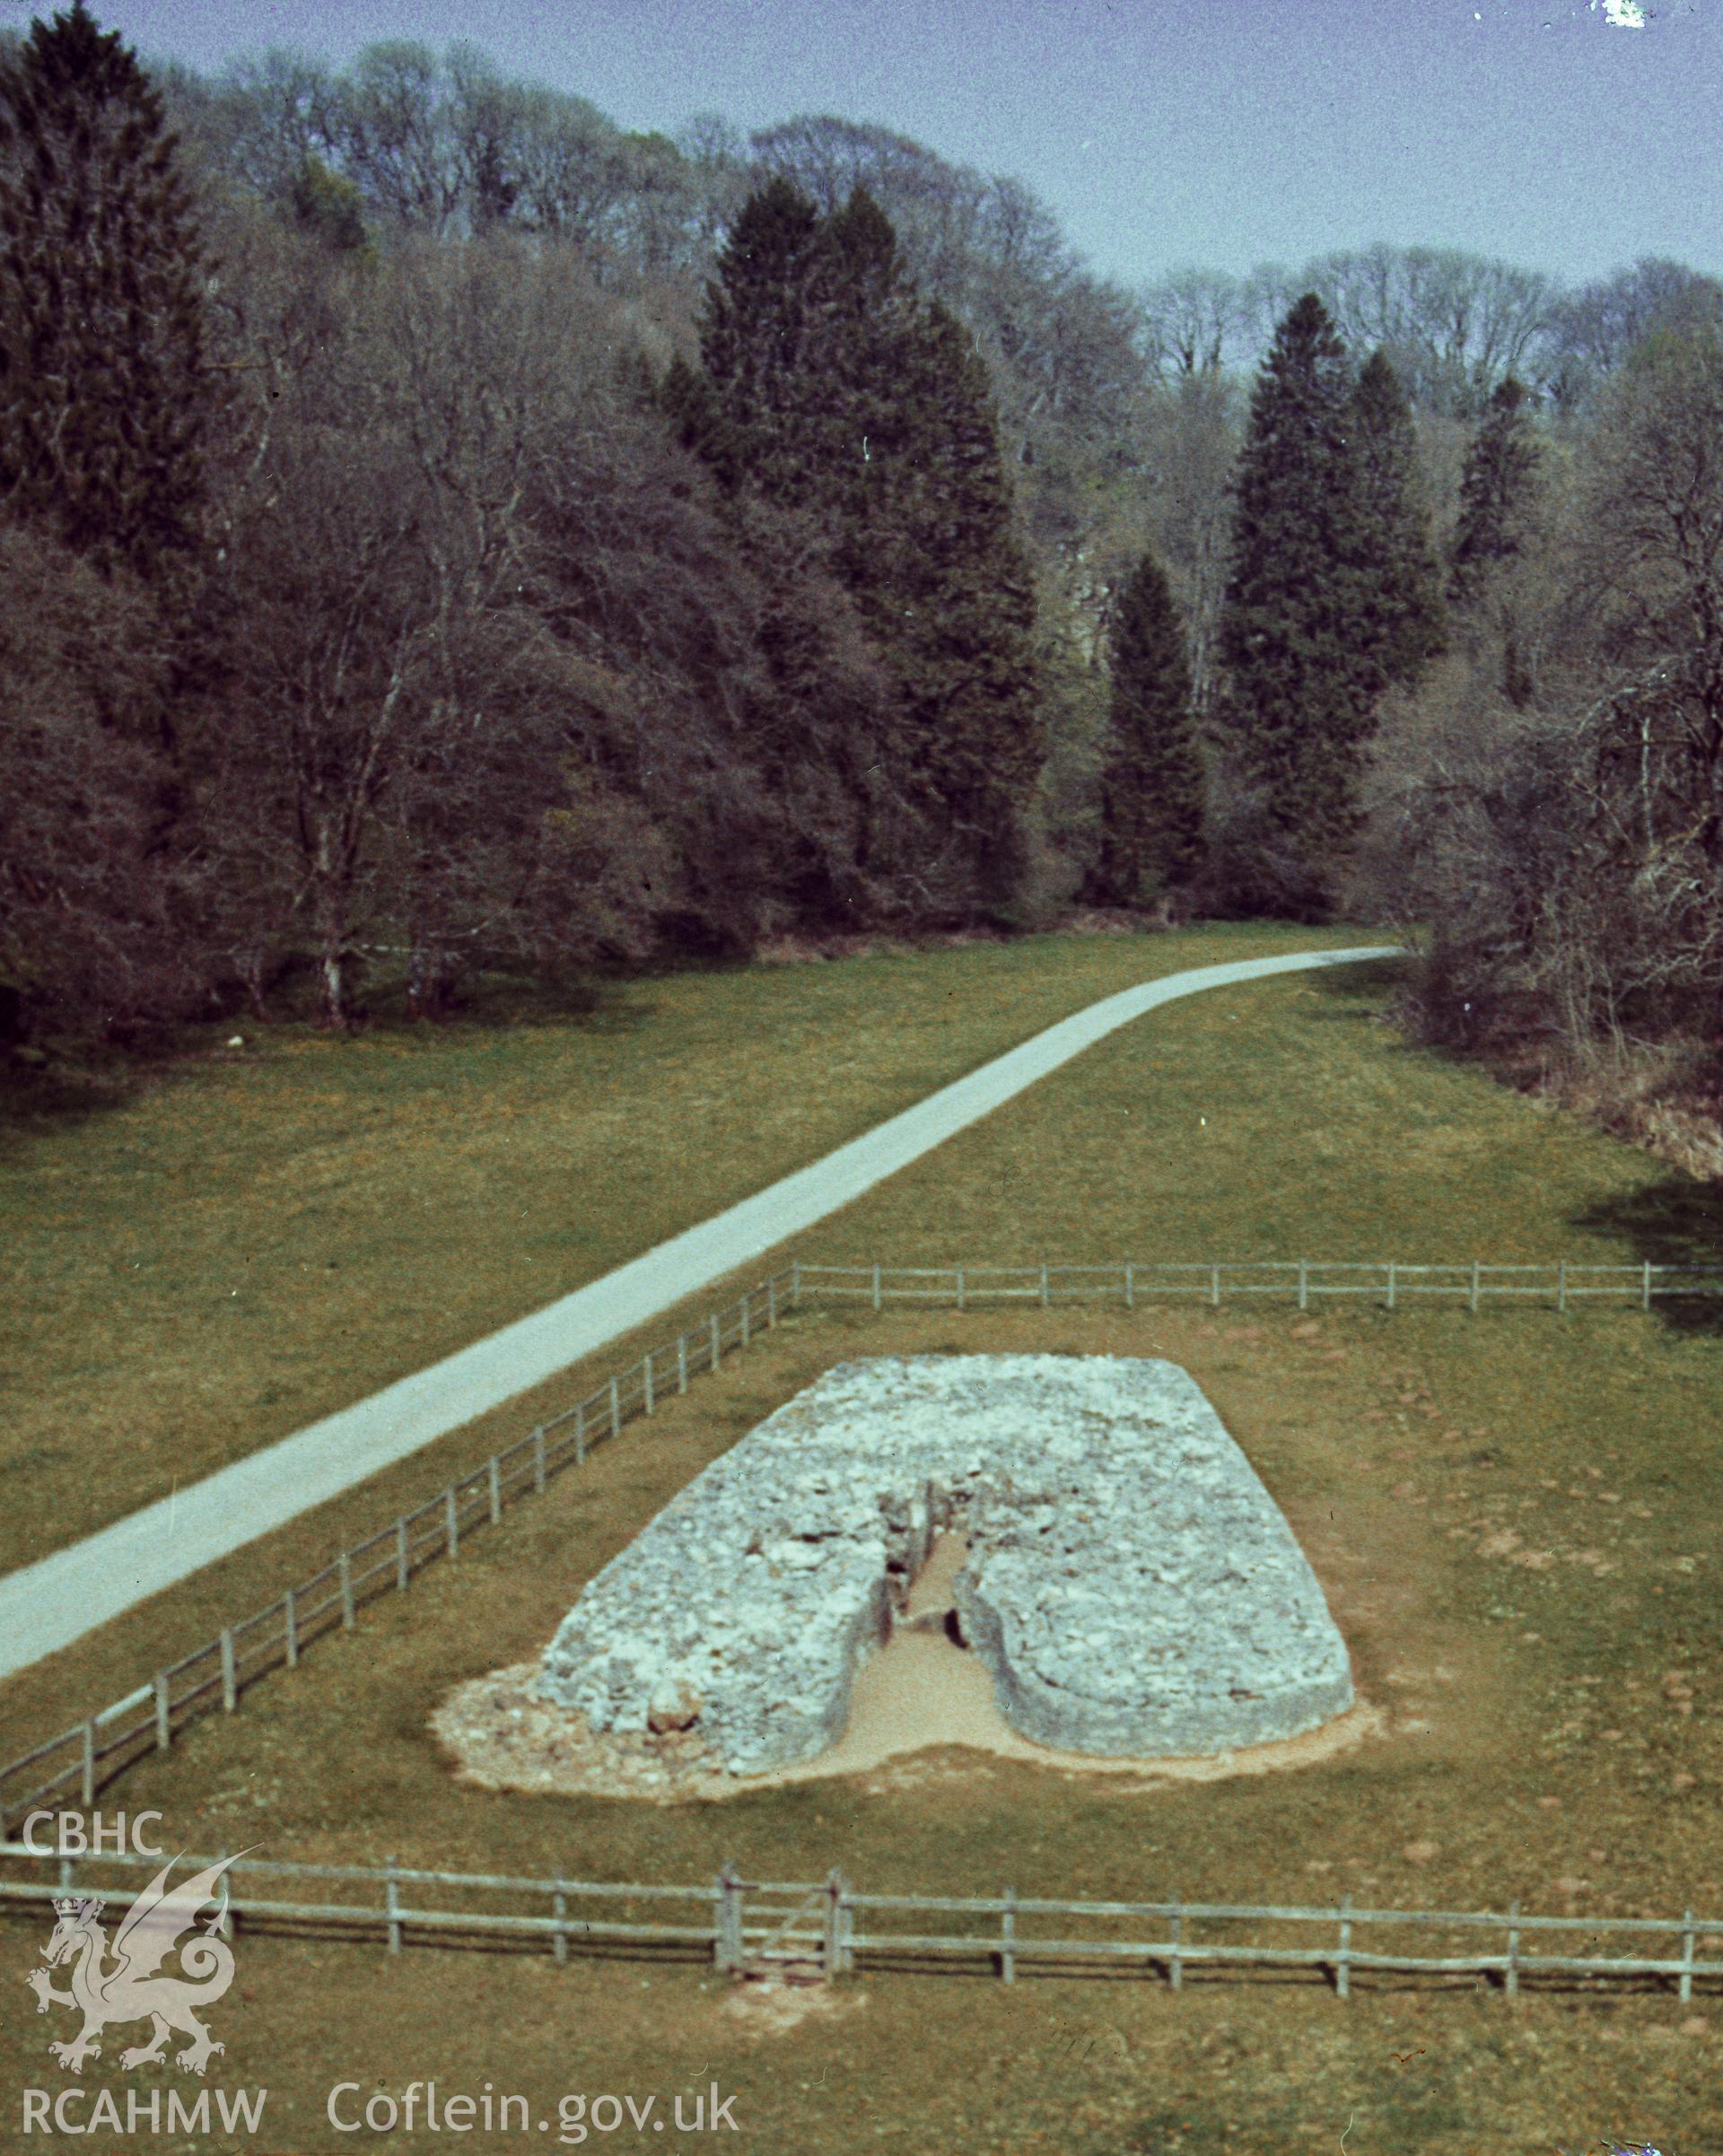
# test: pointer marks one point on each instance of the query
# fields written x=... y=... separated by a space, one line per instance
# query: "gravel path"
x=47 y=1605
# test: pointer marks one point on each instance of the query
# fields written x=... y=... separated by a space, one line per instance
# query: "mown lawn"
x=1517 y=1517
x=1283 y=1120
x=250 y=1239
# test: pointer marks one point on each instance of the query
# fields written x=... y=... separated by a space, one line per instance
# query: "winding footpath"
x=47 y=1605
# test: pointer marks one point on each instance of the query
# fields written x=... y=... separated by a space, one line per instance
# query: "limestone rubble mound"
x=1131 y=1585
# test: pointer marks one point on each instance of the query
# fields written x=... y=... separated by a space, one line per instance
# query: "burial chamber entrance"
x=1073 y=1544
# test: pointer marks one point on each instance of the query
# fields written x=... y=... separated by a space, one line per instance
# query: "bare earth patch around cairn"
x=1130 y=1590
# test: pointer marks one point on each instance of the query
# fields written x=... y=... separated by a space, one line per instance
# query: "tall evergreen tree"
x=868 y=340
x=827 y=387
x=1498 y=489
x=966 y=636
x=1151 y=782
x=753 y=411
x=105 y=398
x=1297 y=636
x=1410 y=622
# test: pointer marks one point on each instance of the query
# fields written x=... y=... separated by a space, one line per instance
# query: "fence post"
x=89 y=1777
x=1685 y=1987
x=1475 y=1287
x=746 y=1292
x=646 y=1384
x=727 y=1940
x=959 y=1287
x=230 y=1686
x=344 y=1564
x=876 y=1288
x=1043 y=1287
x=716 y=1342
x=401 y=1554
x=559 y=1910
x=494 y=1475
x=1645 y=1292
x=1344 y=1963
x=1008 y=1938
x=1304 y=1284
x=1391 y=1273
x=392 y=1903
x=795 y=1280
x=681 y=1362
x=1130 y=1287
x=1512 y=1979
x=1175 y=1963
x=1561 y=1285
x=580 y=1434
x=289 y=1626
x=163 y=1723
x=615 y=1407
x=1214 y=1287
x=538 y=1460
x=831 y=1946
x=451 y=1520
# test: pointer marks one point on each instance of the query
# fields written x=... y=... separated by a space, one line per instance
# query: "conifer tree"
x=1498 y=489
x=1296 y=636
x=756 y=414
x=966 y=631
x=105 y=398
x=1151 y=782
x=868 y=348
x=1408 y=630
x=826 y=386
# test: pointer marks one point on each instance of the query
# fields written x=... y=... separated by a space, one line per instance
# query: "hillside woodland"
x=447 y=538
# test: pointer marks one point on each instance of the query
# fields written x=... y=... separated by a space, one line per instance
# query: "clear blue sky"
x=1218 y=132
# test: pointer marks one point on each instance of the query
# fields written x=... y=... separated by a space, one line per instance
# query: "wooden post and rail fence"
x=72 y=1766
x=821 y=1929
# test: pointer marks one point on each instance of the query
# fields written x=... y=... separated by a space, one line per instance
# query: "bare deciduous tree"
x=1573 y=857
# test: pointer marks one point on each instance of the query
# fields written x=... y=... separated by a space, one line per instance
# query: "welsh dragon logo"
x=133 y=1989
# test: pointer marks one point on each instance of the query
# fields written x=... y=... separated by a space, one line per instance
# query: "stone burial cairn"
x=1131 y=1586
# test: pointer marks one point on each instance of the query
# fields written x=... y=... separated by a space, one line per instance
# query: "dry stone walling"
x=1133 y=1588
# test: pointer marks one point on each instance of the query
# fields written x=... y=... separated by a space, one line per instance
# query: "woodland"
x=447 y=539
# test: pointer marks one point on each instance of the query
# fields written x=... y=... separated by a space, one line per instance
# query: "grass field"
x=1517 y=1517
x=1514 y=1517
x=250 y=1239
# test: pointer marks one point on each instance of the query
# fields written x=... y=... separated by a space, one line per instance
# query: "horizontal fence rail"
x=72 y=1767
x=826 y=1928
x=1305 y=1282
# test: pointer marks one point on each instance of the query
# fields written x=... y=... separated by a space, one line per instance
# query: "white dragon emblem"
x=133 y=1990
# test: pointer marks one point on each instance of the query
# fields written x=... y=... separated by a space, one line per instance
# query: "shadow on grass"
x=598 y=1001
x=40 y=1099
x=37 y=1101
x=1365 y=989
x=1675 y=1222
